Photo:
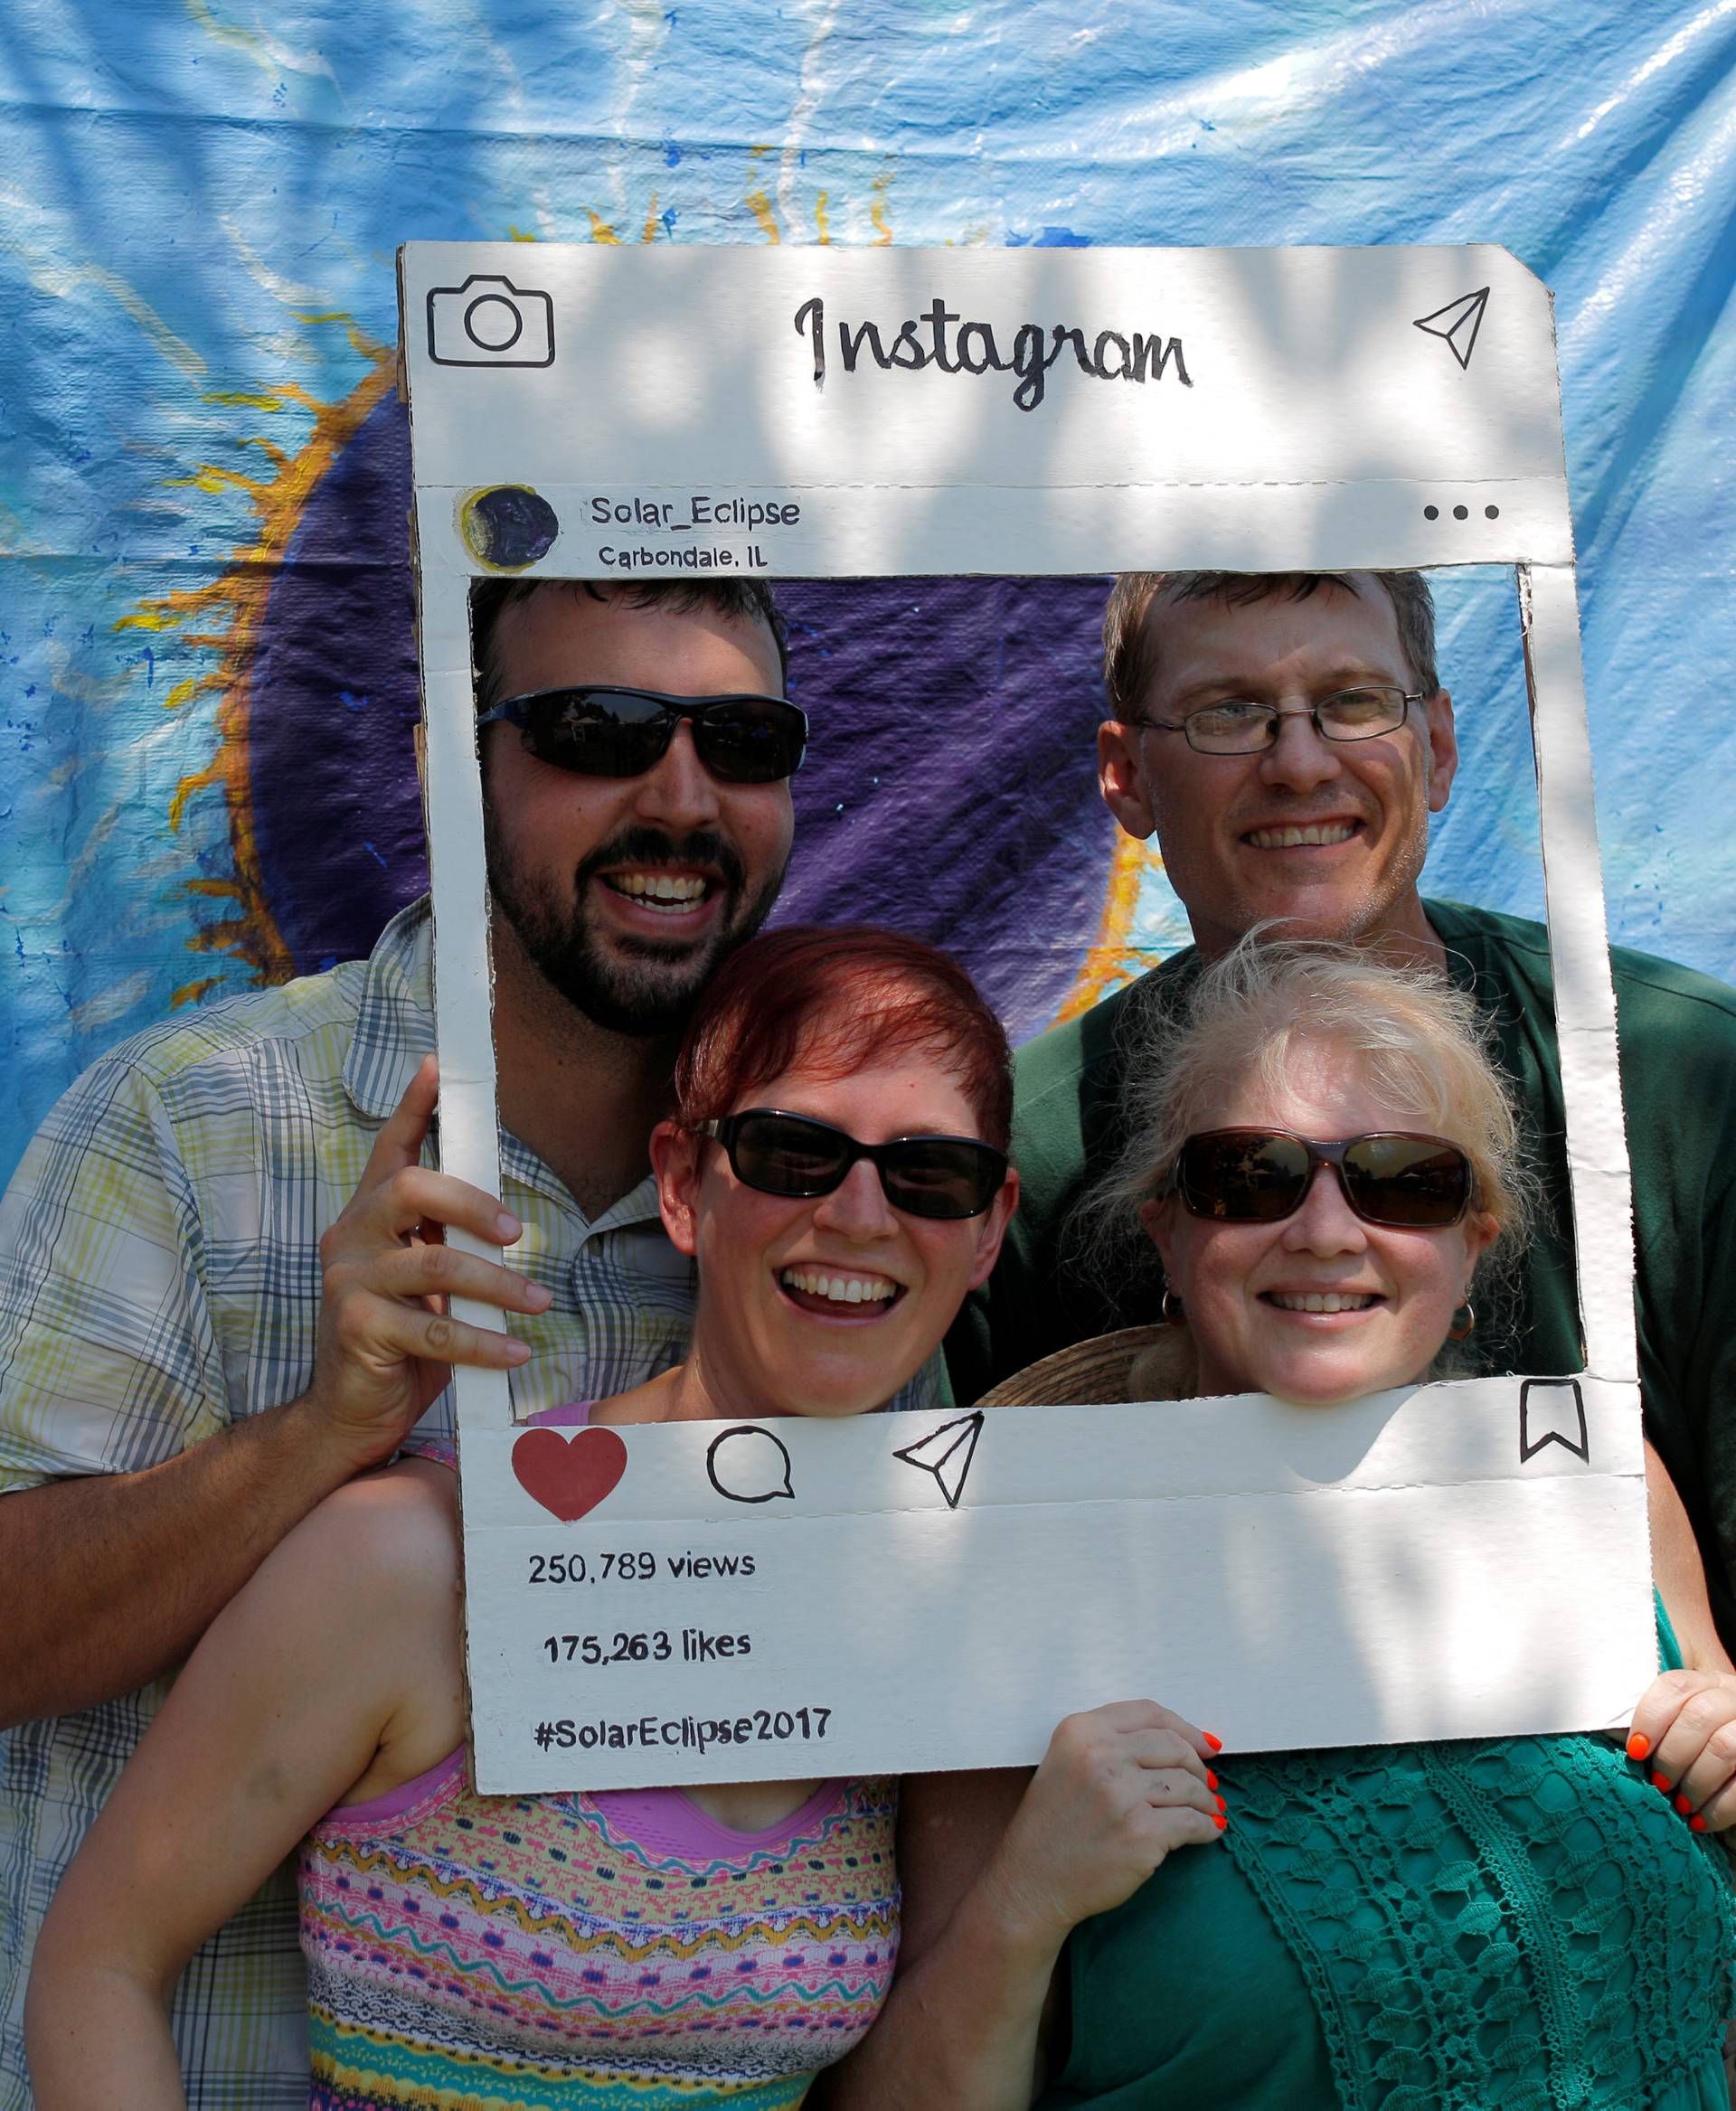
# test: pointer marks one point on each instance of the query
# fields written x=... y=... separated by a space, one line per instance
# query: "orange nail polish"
x=1683 y=1805
x=1221 y=1822
x=1210 y=1779
x=1638 y=1745
x=1696 y=1824
x=1222 y=1805
x=1216 y=1743
x=1663 y=1787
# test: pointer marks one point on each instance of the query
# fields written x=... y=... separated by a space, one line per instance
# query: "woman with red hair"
x=835 y=1165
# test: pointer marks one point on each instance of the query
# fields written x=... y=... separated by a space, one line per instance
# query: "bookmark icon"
x=1552 y=1410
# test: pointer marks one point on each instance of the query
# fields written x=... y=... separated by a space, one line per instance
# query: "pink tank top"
x=586 y=1951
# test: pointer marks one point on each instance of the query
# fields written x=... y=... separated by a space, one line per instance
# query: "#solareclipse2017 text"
x=930 y=339
x=804 y=1725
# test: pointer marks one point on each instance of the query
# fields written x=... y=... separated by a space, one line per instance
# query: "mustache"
x=649 y=848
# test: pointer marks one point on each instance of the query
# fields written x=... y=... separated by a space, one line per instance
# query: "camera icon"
x=489 y=322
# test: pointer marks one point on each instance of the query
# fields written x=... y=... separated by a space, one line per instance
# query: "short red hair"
x=832 y=1000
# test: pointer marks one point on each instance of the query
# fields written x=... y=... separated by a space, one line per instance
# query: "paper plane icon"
x=1459 y=322
x=947 y=1453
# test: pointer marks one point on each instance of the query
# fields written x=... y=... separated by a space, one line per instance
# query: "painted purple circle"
x=949 y=789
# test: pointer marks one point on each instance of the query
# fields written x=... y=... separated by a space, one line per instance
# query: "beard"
x=643 y=987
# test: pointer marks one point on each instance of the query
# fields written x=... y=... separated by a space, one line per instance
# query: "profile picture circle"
x=492 y=323
x=507 y=527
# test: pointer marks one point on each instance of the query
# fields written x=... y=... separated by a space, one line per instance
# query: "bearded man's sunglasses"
x=597 y=730
x=1261 y=1176
x=793 y=1156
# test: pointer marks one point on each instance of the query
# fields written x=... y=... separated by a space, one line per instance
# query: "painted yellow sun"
x=220 y=621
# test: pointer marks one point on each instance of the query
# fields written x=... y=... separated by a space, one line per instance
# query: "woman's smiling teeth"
x=840 y=1290
x=1321 y=1300
x=669 y=892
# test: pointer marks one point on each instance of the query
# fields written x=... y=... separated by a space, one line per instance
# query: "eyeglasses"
x=600 y=730
x=791 y=1155
x=1261 y=1176
x=1240 y=726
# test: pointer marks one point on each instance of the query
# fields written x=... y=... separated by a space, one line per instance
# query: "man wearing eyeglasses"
x=1285 y=737
x=191 y=1237
x=1287 y=749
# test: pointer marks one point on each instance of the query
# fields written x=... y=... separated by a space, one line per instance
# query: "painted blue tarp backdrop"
x=204 y=759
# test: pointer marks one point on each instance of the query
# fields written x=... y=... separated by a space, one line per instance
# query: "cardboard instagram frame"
x=924 y=1590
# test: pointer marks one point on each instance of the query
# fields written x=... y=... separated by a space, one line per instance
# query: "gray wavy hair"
x=1419 y=1043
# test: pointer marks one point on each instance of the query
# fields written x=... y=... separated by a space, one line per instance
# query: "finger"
x=1718 y=1813
x=1162 y=1748
x=1712 y=1766
x=439 y=1271
x=1182 y=1826
x=403 y=1133
x=1702 y=1713
x=1656 y=1711
x=416 y=1196
x=407 y=1333
x=1138 y=1715
x=1175 y=1788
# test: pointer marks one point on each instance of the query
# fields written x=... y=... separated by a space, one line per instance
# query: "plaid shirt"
x=159 y=1278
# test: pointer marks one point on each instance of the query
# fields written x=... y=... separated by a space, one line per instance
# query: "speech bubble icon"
x=748 y=1465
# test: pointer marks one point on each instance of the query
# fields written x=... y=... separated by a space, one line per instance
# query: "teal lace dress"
x=1519 y=1924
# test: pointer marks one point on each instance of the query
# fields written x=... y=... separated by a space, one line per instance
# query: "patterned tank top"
x=614 y=1951
x=577 y=1952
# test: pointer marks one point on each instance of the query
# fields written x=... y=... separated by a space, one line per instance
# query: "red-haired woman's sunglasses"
x=792 y=1154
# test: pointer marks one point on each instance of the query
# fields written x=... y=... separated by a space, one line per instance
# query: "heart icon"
x=569 y=1476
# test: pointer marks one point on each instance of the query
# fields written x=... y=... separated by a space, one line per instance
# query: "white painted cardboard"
x=671 y=411
x=931 y=1590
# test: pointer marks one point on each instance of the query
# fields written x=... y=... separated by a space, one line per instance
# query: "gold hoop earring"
x=1171 y=1311
x=1464 y=1322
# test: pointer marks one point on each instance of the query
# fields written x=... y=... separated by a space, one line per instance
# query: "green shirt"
x=1678 y=1073
x=1519 y=1924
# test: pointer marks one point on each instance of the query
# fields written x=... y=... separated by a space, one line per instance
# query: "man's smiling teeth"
x=1316 y=831
x=668 y=891
x=840 y=1290
x=1321 y=1300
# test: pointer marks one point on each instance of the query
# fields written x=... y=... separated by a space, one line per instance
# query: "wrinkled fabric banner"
x=206 y=770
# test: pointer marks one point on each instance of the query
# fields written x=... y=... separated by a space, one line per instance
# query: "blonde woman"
x=1327 y=1164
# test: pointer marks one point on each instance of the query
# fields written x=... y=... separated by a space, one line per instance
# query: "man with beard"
x=177 y=1243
